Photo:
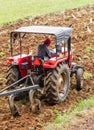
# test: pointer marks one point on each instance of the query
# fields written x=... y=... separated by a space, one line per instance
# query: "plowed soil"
x=85 y=122
x=82 y=21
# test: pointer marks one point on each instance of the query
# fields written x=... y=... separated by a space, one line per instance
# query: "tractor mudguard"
x=53 y=62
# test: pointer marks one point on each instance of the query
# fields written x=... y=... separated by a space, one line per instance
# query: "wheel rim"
x=62 y=87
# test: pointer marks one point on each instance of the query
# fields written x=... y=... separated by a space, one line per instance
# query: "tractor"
x=47 y=78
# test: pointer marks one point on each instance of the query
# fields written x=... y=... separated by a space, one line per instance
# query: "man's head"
x=47 y=41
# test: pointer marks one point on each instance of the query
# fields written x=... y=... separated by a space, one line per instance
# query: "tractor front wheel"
x=57 y=83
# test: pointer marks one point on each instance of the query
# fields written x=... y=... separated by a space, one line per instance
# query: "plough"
x=14 y=90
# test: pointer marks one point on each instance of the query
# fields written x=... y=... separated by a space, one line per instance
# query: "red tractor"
x=51 y=75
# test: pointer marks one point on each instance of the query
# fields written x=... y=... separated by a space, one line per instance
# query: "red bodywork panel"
x=37 y=61
x=24 y=62
x=53 y=62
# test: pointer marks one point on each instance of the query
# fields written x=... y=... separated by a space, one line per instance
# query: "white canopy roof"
x=61 y=33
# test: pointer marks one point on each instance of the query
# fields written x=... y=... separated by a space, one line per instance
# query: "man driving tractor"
x=43 y=50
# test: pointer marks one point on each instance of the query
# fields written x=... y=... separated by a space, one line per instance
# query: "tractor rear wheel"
x=12 y=75
x=79 y=79
x=57 y=84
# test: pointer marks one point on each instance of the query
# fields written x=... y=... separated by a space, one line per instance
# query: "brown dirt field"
x=82 y=37
x=82 y=120
x=85 y=122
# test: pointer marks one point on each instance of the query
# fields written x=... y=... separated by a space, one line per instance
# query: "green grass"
x=13 y=10
x=86 y=104
x=69 y=118
x=89 y=48
x=87 y=75
x=2 y=53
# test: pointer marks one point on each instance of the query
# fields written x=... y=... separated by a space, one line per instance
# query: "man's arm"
x=48 y=52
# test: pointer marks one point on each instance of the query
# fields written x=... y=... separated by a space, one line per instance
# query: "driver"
x=43 y=50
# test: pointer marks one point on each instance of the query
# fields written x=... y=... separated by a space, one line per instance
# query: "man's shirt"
x=43 y=51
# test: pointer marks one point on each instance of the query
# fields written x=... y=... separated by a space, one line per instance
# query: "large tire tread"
x=79 y=79
x=51 y=83
x=12 y=75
